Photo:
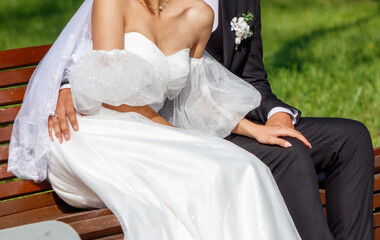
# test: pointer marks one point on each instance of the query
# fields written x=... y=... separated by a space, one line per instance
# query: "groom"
x=342 y=148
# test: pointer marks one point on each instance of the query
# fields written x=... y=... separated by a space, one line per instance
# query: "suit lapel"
x=227 y=11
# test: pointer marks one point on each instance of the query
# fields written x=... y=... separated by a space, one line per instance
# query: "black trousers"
x=343 y=150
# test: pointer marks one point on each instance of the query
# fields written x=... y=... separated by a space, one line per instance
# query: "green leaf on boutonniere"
x=241 y=28
x=248 y=17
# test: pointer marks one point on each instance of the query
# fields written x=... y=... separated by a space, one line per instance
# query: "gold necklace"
x=161 y=7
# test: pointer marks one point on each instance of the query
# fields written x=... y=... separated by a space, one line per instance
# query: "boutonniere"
x=241 y=27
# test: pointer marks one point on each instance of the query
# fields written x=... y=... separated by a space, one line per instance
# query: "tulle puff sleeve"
x=214 y=100
x=114 y=77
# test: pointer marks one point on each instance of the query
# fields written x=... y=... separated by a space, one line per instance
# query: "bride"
x=154 y=108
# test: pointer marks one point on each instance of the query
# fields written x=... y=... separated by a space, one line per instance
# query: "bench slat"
x=85 y=215
x=114 y=237
x=15 y=77
x=36 y=215
x=5 y=134
x=377 y=151
x=28 y=203
x=22 y=57
x=377 y=182
x=4 y=174
x=4 y=153
x=377 y=161
x=377 y=233
x=97 y=227
x=8 y=115
x=322 y=194
x=12 y=95
x=376 y=219
x=21 y=187
x=376 y=200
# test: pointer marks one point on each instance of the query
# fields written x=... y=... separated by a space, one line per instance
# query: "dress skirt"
x=165 y=183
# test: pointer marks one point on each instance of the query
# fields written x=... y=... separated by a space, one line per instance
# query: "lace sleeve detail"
x=114 y=77
x=214 y=100
x=29 y=148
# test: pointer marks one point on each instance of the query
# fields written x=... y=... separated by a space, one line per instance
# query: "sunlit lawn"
x=322 y=56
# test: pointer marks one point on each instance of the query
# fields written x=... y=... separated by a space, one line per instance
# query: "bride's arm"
x=146 y=111
x=108 y=34
x=269 y=134
x=202 y=19
x=263 y=134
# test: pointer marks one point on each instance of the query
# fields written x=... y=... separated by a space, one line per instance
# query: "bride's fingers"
x=57 y=129
x=281 y=142
x=295 y=134
x=50 y=128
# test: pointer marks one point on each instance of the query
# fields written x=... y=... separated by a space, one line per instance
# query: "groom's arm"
x=254 y=73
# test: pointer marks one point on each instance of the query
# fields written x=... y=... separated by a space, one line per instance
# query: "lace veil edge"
x=30 y=145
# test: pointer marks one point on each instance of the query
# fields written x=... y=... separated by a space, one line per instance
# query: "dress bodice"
x=174 y=68
x=189 y=93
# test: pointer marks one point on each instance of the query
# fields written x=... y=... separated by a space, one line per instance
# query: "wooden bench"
x=23 y=202
x=38 y=202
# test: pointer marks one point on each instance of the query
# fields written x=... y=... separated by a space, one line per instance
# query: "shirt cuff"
x=292 y=112
x=64 y=86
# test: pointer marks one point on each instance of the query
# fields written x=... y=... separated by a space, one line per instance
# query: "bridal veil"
x=30 y=148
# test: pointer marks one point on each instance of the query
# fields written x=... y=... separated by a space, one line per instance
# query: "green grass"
x=33 y=22
x=322 y=56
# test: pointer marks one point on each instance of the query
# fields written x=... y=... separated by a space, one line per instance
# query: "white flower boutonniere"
x=241 y=27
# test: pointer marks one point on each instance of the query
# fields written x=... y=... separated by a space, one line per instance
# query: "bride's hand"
x=58 y=122
x=272 y=135
x=267 y=134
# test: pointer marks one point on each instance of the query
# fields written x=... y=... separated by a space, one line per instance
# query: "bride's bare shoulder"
x=107 y=11
x=201 y=14
x=110 y=6
x=107 y=24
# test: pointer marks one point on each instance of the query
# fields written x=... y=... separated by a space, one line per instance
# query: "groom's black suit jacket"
x=346 y=156
x=246 y=62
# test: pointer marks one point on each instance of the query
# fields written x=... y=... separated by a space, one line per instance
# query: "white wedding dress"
x=183 y=183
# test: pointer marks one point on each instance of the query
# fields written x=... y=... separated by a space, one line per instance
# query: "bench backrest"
x=16 y=68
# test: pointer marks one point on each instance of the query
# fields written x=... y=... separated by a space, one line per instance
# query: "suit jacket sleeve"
x=254 y=73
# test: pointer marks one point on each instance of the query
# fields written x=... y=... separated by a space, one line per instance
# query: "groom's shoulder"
x=200 y=12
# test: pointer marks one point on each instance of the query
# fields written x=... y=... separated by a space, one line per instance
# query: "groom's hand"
x=58 y=122
x=280 y=119
x=283 y=120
